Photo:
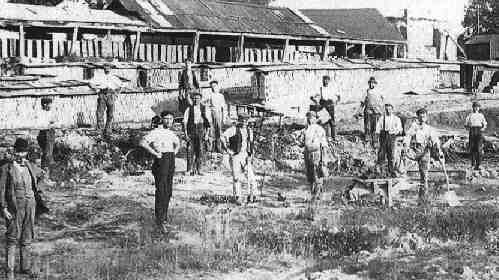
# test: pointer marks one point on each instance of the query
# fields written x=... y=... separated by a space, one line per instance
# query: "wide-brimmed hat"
x=421 y=111
x=372 y=80
x=476 y=104
x=46 y=100
x=21 y=145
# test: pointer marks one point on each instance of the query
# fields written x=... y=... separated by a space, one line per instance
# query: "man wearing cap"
x=196 y=125
x=18 y=188
x=46 y=137
x=187 y=84
x=372 y=104
x=107 y=86
x=476 y=124
x=214 y=101
x=238 y=140
x=315 y=144
x=388 y=128
x=163 y=144
x=421 y=139
x=328 y=100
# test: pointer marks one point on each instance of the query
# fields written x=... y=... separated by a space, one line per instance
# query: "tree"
x=482 y=12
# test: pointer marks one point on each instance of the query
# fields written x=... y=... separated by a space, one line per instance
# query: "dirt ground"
x=101 y=227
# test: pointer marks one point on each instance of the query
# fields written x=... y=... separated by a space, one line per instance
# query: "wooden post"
x=21 y=40
x=346 y=50
x=195 y=48
x=136 y=46
x=75 y=37
x=240 y=49
x=286 y=50
x=395 y=51
x=363 y=50
x=325 y=52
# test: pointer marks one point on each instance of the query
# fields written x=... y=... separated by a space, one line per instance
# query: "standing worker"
x=476 y=124
x=18 y=188
x=163 y=144
x=46 y=137
x=421 y=139
x=187 y=84
x=315 y=145
x=196 y=125
x=373 y=104
x=388 y=128
x=238 y=140
x=215 y=104
x=108 y=86
x=329 y=99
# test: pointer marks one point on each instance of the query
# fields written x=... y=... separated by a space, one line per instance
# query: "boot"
x=11 y=260
x=25 y=260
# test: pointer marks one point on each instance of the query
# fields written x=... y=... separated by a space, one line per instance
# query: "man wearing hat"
x=163 y=144
x=373 y=104
x=476 y=124
x=238 y=141
x=46 y=137
x=107 y=87
x=196 y=126
x=388 y=128
x=18 y=189
x=421 y=139
x=214 y=101
x=187 y=84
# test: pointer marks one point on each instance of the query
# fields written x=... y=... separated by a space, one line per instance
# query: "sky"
x=451 y=11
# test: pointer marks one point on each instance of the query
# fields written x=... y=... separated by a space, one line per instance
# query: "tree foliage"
x=488 y=12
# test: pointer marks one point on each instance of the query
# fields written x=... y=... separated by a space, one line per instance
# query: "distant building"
x=426 y=38
x=483 y=47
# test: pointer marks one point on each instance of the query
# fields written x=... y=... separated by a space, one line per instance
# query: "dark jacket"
x=7 y=193
x=183 y=81
x=236 y=142
x=190 y=120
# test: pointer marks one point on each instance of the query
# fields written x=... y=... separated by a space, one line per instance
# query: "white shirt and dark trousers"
x=388 y=128
x=373 y=105
x=166 y=142
x=476 y=123
x=107 y=87
x=196 y=124
x=46 y=138
x=215 y=105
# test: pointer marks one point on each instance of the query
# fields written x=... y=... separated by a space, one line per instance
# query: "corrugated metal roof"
x=219 y=16
x=25 y=12
x=356 y=24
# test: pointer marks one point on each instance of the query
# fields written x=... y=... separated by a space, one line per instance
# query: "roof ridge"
x=353 y=9
x=248 y=4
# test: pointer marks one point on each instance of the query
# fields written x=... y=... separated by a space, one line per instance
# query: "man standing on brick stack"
x=238 y=140
x=187 y=84
x=388 y=128
x=421 y=139
x=107 y=86
x=18 y=188
x=196 y=125
x=476 y=124
x=215 y=104
x=328 y=100
x=163 y=144
x=373 y=104
x=46 y=137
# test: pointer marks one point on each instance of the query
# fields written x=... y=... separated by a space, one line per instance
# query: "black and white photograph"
x=249 y=139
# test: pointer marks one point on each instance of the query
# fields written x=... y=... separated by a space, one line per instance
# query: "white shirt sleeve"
x=484 y=121
x=409 y=134
x=467 y=123
x=399 y=127
x=186 y=117
x=379 y=125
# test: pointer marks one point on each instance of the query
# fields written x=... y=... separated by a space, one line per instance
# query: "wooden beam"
x=21 y=40
x=395 y=51
x=136 y=46
x=240 y=49
x=363 y=47
x=195 y=47
x=325 y=52
x=75 y=37
x=286 y=50
x=346 y=50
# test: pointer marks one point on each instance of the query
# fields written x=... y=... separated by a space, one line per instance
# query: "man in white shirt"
x=238 y=141
x=315 y=142
x=163 y=144
x=214 y=101
x=196 y=125
x=328 y=100
x=107 y=86
x=388 y=128
x=422 y=138
x=46 y=137
x=372 y=104
x=476 y=124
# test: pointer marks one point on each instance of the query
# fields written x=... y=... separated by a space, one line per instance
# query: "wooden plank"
x=169 y=53
x=240 y=46
x=201 y=55
x=22 y=48
x=29 y=48
x=62 y=48
x=163 y=53
x=91 y=48
x=258 y=55
x=46 y=49
x=275 y=56
x=12 y=47
x=155 y=52
x=55 y=49
x=84 y=48
x=246 y=55
x=136 y=46
x=39 y=51
x=179 y=53
x=142 y=55
x=4 y=47
x=77 y=48
x=208 y=54
x=214 y=54
x=185 y=53
x=74 y=40
x=325 y=51
x=148 y=52
x=195 y=48
x=68 y=47
x=286 y=49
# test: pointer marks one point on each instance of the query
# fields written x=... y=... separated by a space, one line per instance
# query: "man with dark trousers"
x=187 y=84
x=46 y=137
x=163 y=144
x=372 y=105
x=329 y=99
x=196 y=126
x=476 y=124
x=388 y=128
x=18 y=188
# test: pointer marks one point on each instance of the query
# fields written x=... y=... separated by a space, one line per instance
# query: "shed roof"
x=356 y=24
x=219 y=16
x=52 y=15
x=482 y=39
